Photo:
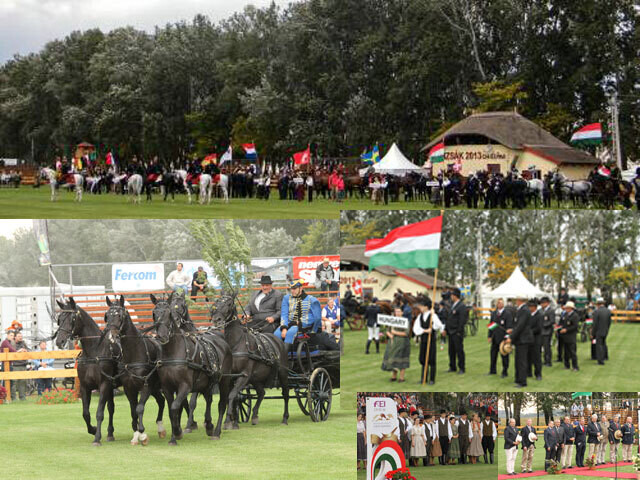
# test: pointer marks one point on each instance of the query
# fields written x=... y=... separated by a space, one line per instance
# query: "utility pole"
x=479 y=267
x=615 y=128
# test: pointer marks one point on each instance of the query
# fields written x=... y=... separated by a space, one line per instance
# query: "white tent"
x=394 y=162
x=516 y=285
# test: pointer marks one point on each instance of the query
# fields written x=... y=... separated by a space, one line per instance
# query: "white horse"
x=206 y=187
x=182 y=175
x=223 y=184
x=134 y=187
x=536 y=187
x=50 y=174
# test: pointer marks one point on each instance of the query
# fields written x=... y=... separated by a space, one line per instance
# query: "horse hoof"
x=214 y=437
x=284 y=422
x=187 y=430
x=162 y=434
x=226 y=426
x=111 y=439
x=144 y=439
x=97 y=444
x=179 y=437
x=254 y=421
x=173 y=443
x=134 y=443
x=194 y=426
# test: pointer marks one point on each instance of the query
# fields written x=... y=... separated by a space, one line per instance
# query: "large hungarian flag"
x=588 y=135
x=303 y=157
x=412 y=246
x=436 y=154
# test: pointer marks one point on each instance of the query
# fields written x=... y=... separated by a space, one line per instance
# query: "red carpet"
x=576 y=471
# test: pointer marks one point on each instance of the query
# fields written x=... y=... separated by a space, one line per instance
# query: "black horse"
x=140 y=356
x=97 y=369
x=191 y=362
x=258 y=358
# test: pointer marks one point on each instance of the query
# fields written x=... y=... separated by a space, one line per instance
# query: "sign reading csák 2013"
x=137 y=276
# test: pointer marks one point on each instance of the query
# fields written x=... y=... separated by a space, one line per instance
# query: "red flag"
x=303 y=157
x=357 y=287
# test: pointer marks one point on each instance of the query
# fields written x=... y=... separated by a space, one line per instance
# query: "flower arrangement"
x=3 y=393
x=635 y=463
x=400 y=474
x=554 y=468
x=591 y=462
x=54 y=397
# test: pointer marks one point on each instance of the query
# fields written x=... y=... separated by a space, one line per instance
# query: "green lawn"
x=360 y=372
x=458 y=472
x=538 y=461
x=51 y=442
x=28 y=202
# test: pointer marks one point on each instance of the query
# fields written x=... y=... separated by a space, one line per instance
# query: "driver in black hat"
x=263 y=311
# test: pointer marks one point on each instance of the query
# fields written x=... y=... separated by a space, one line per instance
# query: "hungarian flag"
x=492 y=326
x=588 y=135
x=604 y=171
x=556 y=327
x=303 y=157
x=588 y=321
x=411 y=246
x=436 y=154
x=357 y=287
x=250 y=150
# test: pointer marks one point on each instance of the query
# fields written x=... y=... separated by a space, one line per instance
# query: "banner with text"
x=382 y=425
x=137 y=276
x=391 y=321
x=305 y=267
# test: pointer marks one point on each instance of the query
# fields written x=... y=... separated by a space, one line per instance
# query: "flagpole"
x=433 y=305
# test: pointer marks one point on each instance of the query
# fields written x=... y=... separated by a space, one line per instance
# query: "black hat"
x=545 y=299
x=443 y=411
x=266 y=280
x=423 y=300
x=532 y=303
x=456 y=292
x=446 y=294
x=402 y=409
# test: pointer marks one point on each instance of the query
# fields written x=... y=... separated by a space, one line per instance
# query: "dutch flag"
x=250 y=150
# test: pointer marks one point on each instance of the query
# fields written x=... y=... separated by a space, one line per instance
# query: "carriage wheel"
x=303 y=357
x=244 y=405
x=319 y=395
x=303 y=399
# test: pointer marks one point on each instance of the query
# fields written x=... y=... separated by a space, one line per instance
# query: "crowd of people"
x=589 y=435
x=430 y=439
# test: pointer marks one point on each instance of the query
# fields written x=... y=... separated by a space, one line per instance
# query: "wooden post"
x=7 y=368
x=433 y=305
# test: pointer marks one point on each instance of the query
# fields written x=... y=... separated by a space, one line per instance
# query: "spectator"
x=264 y=309
x=9 y=343
x=330 y=316
x=199 y=283
x=43 y=364
x=179 y=280
x=19 y=366
x=324 y=275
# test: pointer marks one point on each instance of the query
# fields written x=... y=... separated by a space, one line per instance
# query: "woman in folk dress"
x=362 y=446
x=398 y=351
x=454 y=445
x=418 y=442
x=436 y=449
x=475 y=448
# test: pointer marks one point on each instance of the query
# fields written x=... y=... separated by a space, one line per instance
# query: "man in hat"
x=503 y=320
x=535 y=350
x=580 y=441
x=628 y=434
x=563 y=298
x=594 y=432
x=550 y=444
x=324 y=275
x=427 y=326
x=489 y=435
x=298 y=309
x=522 y=338
x=454 y=329
x=445 y=433
x=600 y=329
x=569 y=439
x=568 y=335
x=528 y=434
x=405 y=431
x=548 y=321
x=511 y=446
x=465 y=434
x=263 y=310
x=614 y=441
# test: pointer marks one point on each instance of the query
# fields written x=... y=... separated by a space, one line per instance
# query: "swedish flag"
x=366 y=157
x=375 y=154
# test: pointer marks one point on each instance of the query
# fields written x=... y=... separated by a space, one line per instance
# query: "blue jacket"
x=311 y=312
x=47 y=361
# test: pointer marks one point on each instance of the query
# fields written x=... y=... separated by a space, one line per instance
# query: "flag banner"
x=492 y=326
x=367 y=157
x=383 y=434
x=556 y=327
x=375 y=154
x=250 y=150
x=580 y=394
x=210 y=159
x=588 y=135
x=436 y=154
x=41 y=233
x=227 y=156
x=412 y=246
x=303 y=157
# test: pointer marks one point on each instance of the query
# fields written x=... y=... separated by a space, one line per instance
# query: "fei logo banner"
x=137 y=276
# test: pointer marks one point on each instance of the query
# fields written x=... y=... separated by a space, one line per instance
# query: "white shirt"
x=178 y=278
x=258 y=299
x=407 y=425
x=436 y=324
x=468 y=422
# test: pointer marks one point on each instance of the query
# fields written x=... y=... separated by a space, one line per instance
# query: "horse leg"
x=240 y=383
x=189 y=408
x=85 y=394
x=226 y=194
x=172 y=416
x=254 y=414
x=105 y=388
x=224 y=386
x=144 y=396
x=133 y=401
x=160 y=401
x=208 y=424
x=111 y=408
x=176 y=409
x=284 y=381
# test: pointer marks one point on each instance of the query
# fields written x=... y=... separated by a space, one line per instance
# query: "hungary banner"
x=588 y=135
x=436 y=154
x=411 y=246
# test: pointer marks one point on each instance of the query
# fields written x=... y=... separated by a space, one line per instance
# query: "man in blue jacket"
x=298 y=308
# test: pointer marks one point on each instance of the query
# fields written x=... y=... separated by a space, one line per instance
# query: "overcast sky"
x=27 y=25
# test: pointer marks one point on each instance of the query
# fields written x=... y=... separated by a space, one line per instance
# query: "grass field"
x=360 y=372
x=459 y=472
x=538 y=461
x=51 y=442
x=29 y=202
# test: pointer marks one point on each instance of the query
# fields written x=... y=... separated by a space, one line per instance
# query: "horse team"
x=178 y=360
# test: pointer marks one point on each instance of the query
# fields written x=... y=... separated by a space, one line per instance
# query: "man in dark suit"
x=455 y=331
x=613 y=441
x=561 y=440
x=600 y=329
x=263 y=311
x=581 y=442
x=405 y=431
x=511 y=446
x=628 y=434
x=427 y=323
x=569 y=438
x=503 y=319
x=528 y=446
x=548 y=320
x=535 y=360
x=522 y=338
x=594 y=432
x=568 y=335
x=550 y=444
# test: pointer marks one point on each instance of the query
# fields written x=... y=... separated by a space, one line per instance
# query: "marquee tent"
x=394 y=162
x=516 y=285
